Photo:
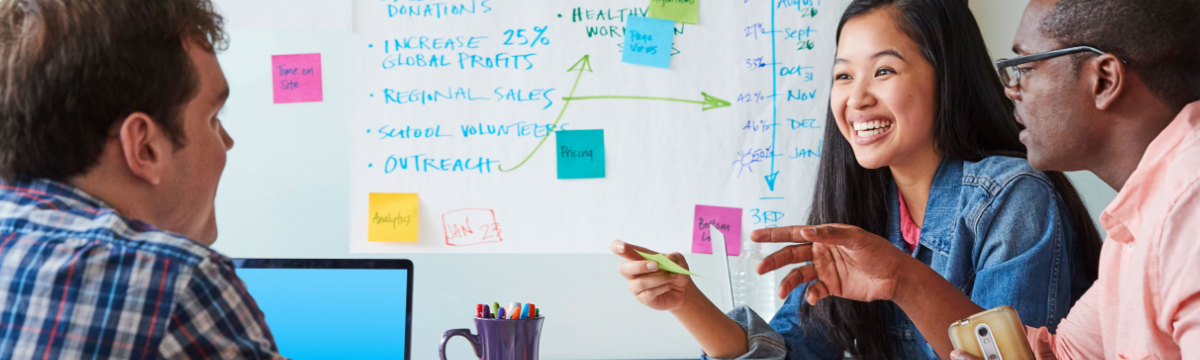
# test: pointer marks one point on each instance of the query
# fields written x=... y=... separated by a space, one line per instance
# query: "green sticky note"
x=684 y=11
x=580 y=154
x=666 y=264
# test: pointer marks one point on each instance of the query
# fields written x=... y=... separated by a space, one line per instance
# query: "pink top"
x=908 y=229
x=1146 y=303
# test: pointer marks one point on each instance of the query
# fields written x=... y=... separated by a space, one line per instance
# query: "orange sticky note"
x=392 y=217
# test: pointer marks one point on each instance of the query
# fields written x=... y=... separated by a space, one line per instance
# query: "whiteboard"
x=288 y=184
x=458 y=102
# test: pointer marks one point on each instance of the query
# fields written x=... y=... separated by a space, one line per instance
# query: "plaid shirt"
x=80 y=281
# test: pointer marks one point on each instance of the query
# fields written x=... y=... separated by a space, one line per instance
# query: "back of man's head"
x=1159 y=39
x=72 y=69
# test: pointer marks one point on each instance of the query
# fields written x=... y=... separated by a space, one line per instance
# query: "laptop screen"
x=333 y=313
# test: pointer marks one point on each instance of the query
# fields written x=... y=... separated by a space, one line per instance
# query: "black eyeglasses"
x=1011 y=75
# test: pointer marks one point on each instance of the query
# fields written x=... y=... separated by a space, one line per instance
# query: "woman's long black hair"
x=974 y=120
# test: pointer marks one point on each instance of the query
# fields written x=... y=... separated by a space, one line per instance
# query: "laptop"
x=334 y=308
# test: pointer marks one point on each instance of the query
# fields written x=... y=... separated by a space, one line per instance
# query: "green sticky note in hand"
x=666 y=264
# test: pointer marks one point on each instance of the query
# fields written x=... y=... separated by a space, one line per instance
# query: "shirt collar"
x=942 y=205
x=47 y=190
x=1125 y=211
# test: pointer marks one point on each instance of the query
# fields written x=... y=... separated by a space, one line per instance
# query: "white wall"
x=998 y=19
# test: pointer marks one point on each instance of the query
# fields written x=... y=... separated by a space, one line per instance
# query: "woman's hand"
x=718 y=335
x=660 y=290
x=847 y=261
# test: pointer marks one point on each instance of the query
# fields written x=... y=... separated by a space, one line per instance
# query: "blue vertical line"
x=774 y=87
x=774 y=96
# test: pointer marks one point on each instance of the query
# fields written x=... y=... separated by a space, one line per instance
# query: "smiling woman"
x=921 y=150
x=884 y=96
x=926 y=155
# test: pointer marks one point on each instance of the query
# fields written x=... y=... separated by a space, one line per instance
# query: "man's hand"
x=852 y=263
x=847 y=261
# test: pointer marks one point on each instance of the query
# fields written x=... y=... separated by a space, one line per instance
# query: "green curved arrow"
x=710 y=102
x=584 y=64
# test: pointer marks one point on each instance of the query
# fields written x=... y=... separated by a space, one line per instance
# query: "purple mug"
x=500 y=339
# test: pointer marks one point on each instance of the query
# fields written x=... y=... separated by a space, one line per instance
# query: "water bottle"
x=750 y=289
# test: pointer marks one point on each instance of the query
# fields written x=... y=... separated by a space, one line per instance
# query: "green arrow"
x=709 y=102
x=584 y=64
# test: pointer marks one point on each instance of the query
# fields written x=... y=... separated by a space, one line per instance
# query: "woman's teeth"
x=871 y=128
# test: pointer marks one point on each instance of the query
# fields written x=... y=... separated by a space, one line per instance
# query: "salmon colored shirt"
x=1146 y=303
x=908 y=228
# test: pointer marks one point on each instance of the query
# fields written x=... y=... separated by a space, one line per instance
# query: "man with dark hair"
x=1108 y=86
x=1156 y=43
x=110 y=154
x=1157 y=39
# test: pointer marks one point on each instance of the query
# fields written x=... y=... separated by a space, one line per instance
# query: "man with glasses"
x=1121 y=110
x=1108 y=86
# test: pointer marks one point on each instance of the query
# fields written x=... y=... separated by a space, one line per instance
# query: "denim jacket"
x=996 y=229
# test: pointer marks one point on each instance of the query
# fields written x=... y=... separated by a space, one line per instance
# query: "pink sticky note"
x=296 y=78
x=727 y=220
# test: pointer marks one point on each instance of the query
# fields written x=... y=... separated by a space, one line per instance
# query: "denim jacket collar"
x=937 y=227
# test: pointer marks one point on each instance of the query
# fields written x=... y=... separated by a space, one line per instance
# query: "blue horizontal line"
x=771 y=198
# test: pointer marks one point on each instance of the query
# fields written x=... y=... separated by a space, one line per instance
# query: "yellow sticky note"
x=392 y=217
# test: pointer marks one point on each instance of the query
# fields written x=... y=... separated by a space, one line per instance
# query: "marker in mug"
x=504 y=340
x=514 y=310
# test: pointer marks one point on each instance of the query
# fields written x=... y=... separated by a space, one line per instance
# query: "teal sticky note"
x=580 y=154
x=648 y=41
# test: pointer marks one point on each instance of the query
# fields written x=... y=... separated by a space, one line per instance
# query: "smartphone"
x=995 y=334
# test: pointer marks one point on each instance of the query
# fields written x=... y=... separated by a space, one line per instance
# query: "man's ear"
x=1110 y=80
x=145 y=147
